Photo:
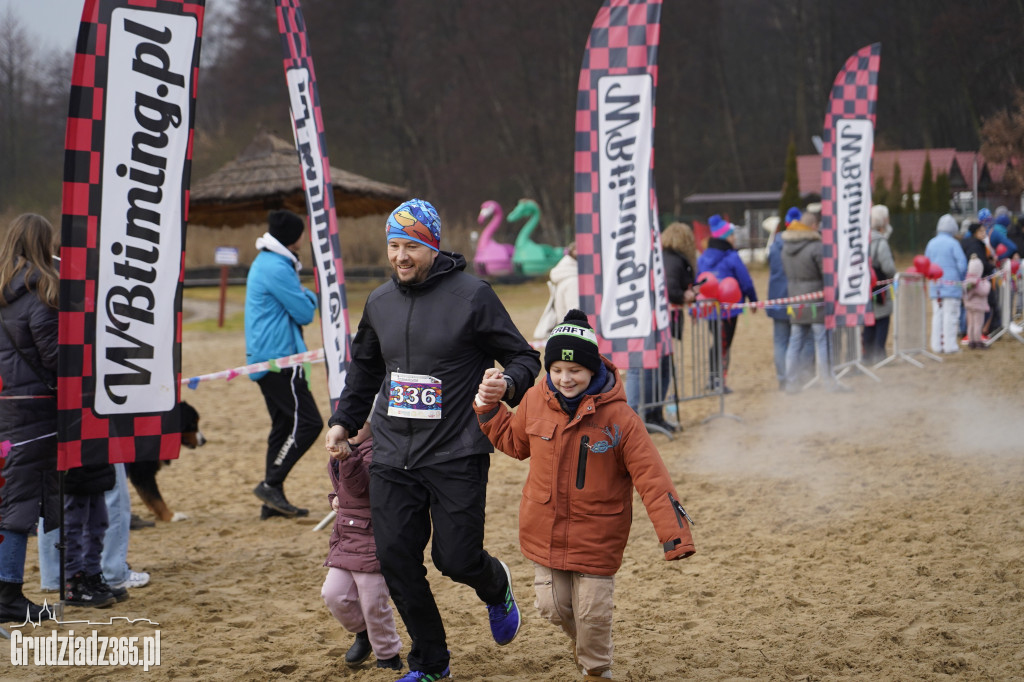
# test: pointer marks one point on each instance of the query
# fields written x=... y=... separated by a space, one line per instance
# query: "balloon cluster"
x=923 y=266
x=725 y=291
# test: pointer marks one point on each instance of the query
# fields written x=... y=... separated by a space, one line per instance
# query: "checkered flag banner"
x=618 y=247
x=311 y=144
x=848 y=145
x=127 y=165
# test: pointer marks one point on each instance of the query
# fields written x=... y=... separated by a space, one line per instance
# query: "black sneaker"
x=360 y=649
x=98 y=584
x=273 y=497
x=393 y=663
x=78 y=592
x=267 y=513
x=138 y=522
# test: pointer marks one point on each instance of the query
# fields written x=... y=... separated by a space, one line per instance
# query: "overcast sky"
x=53 y=22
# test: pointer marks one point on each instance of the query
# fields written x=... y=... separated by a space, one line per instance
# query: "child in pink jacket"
x=354 y=590
x=976 y=291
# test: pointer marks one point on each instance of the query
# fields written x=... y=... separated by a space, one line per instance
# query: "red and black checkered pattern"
x=623 y=41
x=337 y=344
x=83 y=436
x=854 y=95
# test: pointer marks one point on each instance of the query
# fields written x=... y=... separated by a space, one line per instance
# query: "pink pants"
x=581 y=605
x=361 y=601
x=975 y=323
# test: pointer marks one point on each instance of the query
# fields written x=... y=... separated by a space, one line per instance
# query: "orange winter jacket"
x=576 y=510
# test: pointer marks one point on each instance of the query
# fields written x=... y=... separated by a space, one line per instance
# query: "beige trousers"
x=581 y=605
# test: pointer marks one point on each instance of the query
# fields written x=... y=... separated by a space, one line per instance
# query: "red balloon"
x=708 y=285
x=1014 y=266
x=729 y=290
x=921 y=264
x=934 y=271
x=1001 y=250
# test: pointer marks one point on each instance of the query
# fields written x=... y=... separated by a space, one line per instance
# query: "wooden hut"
x=229 y=207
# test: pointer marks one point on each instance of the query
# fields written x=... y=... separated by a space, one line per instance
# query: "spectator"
x=276 y=308
x=778 y=288
x=721 y=259
x=564 y=293
x=29 y=286
x=884 y=266
x=802 y=261
x=945 y=251
x=679 y=251
x=976 y=291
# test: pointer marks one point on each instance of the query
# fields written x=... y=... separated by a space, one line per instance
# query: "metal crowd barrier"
x=846 y=349
x=1007 y=285
x=688 y=371
x=909 y=320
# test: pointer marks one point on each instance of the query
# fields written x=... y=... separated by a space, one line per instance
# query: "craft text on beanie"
x=285 y=226
x=793 y=214
x=720 y=228
x=418 y=221
x=573 y=340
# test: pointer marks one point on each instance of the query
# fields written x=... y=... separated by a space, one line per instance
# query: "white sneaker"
x=135 y=579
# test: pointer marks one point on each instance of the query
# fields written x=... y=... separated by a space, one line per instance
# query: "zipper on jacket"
x=408 y=364
x=680 y=512
x=581 y=469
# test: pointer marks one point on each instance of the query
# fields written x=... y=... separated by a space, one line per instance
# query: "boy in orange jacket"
x=588 y=450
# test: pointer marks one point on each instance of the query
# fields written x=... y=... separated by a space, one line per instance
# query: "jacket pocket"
x=354 y=522
x=539 y=481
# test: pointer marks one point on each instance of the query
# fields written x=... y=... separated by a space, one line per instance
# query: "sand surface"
x=869 y=535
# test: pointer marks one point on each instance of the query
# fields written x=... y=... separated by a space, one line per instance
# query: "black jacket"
x=29 y=424
x=451 y=327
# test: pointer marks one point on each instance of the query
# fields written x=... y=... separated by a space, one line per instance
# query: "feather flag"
x=847 y=149
x=311 y=145
x=127 y=166
x=621 y=277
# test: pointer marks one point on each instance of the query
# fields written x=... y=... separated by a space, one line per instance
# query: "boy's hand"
x=337 y=442
x=334 y=503
x=492 y=388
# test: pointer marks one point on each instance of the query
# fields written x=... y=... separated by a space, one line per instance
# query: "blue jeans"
x=12 y=556
x=119 y=517
x=114 y=559
x=800 y=341
x=656 y=383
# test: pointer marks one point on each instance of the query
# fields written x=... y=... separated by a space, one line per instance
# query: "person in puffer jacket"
x=721 y=259
x=588 y=450
x=946 y=293
x=354 y=590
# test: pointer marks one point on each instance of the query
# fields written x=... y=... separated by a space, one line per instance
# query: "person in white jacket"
x=563 y=283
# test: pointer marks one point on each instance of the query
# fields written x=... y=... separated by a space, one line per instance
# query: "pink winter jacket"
x=352 y=546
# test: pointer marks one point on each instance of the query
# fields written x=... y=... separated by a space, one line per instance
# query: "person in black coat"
x=29 y=286
x=679 y=254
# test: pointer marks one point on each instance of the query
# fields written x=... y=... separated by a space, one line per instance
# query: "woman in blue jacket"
x=721 y=259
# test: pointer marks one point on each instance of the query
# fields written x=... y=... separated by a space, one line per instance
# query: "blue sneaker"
x=420 y=676
x=504 y=617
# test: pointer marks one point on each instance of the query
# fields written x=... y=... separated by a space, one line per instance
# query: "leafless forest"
x=467 y=100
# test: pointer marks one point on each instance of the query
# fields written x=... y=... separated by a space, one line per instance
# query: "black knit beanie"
x=285 y=226
x=573 y=341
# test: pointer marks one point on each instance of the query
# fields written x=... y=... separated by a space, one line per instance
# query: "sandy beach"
x=875 y=534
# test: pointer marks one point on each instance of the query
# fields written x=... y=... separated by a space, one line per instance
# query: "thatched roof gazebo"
x=267 y=176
